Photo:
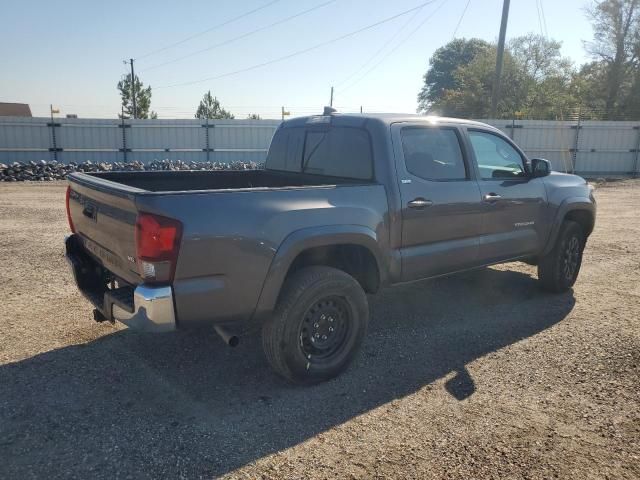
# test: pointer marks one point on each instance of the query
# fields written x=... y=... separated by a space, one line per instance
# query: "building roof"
x=14 y=110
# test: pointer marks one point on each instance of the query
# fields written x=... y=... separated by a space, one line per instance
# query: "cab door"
x=513 y=202
x=441 y=202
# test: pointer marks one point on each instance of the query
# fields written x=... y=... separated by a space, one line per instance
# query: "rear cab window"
x=285 y=151
x=329 y=151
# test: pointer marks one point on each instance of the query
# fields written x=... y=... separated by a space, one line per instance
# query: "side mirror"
x=540 y=167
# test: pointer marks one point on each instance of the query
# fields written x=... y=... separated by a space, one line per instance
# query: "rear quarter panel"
x=231 y=238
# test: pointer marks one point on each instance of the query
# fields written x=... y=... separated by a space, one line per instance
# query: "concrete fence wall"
x=589 y=147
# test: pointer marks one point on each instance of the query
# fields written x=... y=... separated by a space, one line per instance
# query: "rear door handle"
x=419 y=203
x=492 y=197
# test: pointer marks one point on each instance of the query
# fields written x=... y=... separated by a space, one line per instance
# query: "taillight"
x=157 y=246
x=73 y=230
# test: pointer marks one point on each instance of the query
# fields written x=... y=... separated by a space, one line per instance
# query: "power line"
x=539 y=18
x=544 y=19
x=358 y=80
x=300 y=52
x=460 y=20
x=215 y=27
x=398 y=45
x=244 y=35
x=384 y=45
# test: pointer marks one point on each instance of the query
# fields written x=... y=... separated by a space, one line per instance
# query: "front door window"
x=496 y=158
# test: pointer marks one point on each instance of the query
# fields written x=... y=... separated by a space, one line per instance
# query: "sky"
x=70 y=53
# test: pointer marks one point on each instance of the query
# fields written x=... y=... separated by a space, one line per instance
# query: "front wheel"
x=318 y=325
x=558 y=270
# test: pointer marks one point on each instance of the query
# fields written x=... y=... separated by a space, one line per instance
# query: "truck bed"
x=103 y=206
x=189 y=180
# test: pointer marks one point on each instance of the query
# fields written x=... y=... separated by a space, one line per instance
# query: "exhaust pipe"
x=228 y=338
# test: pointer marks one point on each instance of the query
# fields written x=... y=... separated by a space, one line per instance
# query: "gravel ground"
x=476 y=376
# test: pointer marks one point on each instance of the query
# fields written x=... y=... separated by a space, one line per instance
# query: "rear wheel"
x=558 y=270
x=318 y=325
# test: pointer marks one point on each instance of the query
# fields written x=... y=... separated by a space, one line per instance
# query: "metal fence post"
x=636 y=172
x=206 y=137
x=124 y=139
x=574 y=154
x=512 y=128
x=54 y=143
x=210 y=141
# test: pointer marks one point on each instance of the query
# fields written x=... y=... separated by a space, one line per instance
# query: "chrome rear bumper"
x=152 y=310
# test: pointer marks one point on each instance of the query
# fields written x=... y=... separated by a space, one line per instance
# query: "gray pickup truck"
x=346 y=205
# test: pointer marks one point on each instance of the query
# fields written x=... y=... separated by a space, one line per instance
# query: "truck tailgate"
x=105 y=220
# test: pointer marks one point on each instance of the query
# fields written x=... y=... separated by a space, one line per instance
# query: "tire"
x=558 y=270
x=318 y=325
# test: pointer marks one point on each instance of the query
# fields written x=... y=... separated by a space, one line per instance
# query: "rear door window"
x=433 y=153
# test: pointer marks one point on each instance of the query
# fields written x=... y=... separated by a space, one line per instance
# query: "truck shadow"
x=185 y=404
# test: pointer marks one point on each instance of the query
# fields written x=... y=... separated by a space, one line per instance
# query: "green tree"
x=539 y=57
x=440 y=76
x=142 y=96
x=589 y=85
x=631 y=108
x=474 y=81
x=547 y=77
x=616 y=45
x=536 y=82
x=253 y=116
x=210 y=108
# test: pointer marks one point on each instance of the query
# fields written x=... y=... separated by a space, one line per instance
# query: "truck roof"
x=359 y=119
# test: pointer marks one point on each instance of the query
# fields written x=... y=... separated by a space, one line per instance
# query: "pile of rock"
x=47 y=171
x=35 y=171
x=180 y=165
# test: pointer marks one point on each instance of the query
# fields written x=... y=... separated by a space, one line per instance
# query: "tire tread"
x=548 y=266
x=273 y=330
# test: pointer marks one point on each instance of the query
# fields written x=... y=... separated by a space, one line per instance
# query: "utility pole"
x=133 y=88
x=331 y=101
x=496 y=81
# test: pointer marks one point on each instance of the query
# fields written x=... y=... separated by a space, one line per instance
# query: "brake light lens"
x=157 y=245
x=68 y=194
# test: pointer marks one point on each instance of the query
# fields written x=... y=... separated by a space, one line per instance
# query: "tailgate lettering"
x=102 y=253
